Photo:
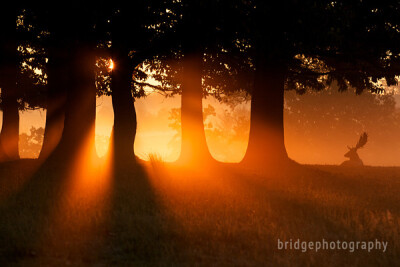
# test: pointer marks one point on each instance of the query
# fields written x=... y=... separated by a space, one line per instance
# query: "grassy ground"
x=163 y=215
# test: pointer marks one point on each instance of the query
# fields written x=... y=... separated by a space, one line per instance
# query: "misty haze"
x=315 y=123
x=200 y=133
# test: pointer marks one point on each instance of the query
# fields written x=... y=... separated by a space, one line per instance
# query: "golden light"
x=102 y=145
x=87 y=176
x=103 y=124
x=82 y=205
x=111 y=64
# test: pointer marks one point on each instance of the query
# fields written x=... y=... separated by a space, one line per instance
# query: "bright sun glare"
x=111 y=64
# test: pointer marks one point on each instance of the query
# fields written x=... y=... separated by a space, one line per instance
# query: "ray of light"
x=80 y=212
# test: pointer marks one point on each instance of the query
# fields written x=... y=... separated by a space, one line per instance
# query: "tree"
x=57 y=86
x=72 y=47
x=308 y=44
x=200 y=35
x=128 y=41
x=56 y=97
x=179 y=68
x=198 y=64
x=8 y=83
x=127 y=52
x=31 y=90
x=125 y=123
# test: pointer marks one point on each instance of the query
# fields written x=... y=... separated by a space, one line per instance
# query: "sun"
x=111 y=64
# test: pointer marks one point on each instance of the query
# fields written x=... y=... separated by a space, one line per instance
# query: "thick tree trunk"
x=80 y=106
x=57 y=81
x=194 y=145
x=125 y=123
x=9 y=135
x=266 y=147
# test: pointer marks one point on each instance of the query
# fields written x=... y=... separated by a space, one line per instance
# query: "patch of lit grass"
x=222 y=218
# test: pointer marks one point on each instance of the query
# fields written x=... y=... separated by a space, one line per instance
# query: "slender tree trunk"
x=194 y=145
x=80 y=106
x=125 y=123
x=55 y=101
x=266 y=148
x=9 y=135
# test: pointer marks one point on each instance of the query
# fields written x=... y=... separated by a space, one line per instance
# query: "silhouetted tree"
x=128 y=40
x=198 y=63
x=23 y=71
x=125 y=123
x=8 y=83
x=72 y=48
x=58 y=54
x=180 y=68
x=31 y=82
x=308 y=44
x=56 y=96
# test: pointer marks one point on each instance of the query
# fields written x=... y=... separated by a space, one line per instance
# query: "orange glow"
x=103 y=125
x=102 y=145
x=111 y=64
x=9 y=148
x=154 y=135
x=87 y=176
x=226 y=131
x=318 y=144
x=85 y=198
x=210 y=190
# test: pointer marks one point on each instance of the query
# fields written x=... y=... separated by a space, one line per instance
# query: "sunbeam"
x=80 y=212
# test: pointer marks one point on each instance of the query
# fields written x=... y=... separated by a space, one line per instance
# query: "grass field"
x=165 y=215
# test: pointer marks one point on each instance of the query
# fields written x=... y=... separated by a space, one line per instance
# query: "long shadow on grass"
x=25 y=214
x=42 y=225
x=138 y=233
x=313 y=205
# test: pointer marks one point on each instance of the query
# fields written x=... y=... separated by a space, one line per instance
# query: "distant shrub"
x=31 y=144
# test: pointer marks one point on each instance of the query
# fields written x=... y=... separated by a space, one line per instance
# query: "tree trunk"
x=266 y=147
x=125 y=123
x=80 y=106
x=9 y=135
x=194 y=145
x=56 y=83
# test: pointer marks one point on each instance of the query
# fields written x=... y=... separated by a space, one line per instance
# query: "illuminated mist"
x=318 y=127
